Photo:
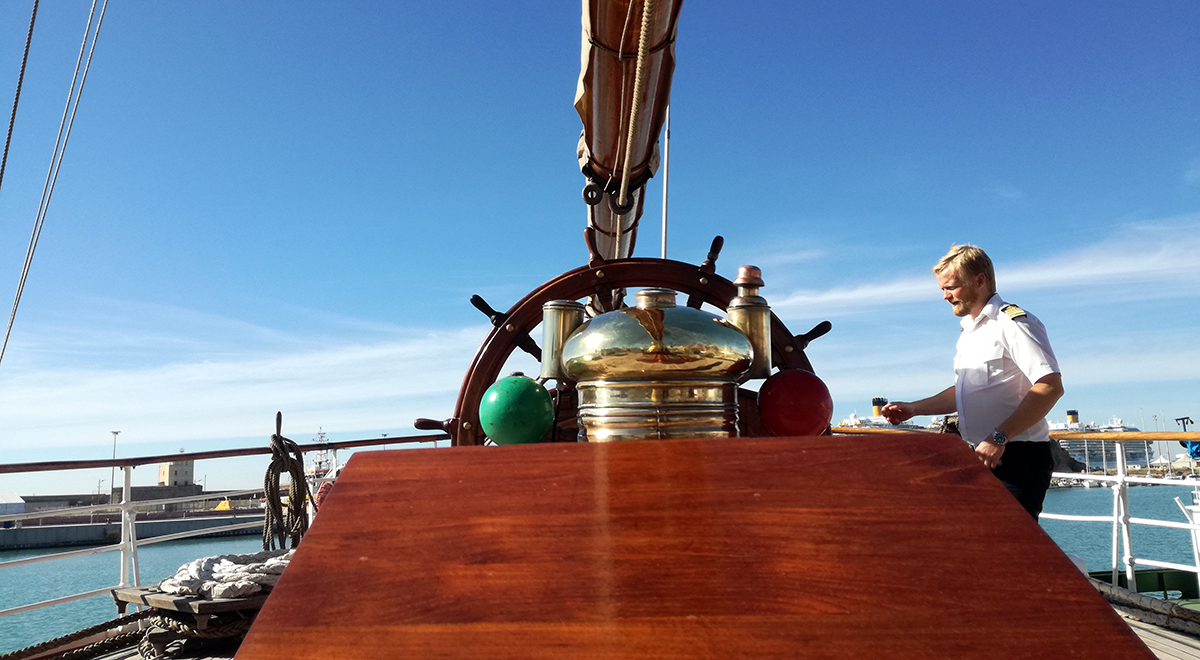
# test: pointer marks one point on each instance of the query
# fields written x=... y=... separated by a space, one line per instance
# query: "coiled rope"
x=280 y=525
x=157 y=642
x=220 y=625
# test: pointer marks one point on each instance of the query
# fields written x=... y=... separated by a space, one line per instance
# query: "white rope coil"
x=228 y=576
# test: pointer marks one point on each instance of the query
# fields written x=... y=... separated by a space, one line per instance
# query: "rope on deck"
x=39 y=649
x=103 y=646
x=1151 y=610
x=170 y=627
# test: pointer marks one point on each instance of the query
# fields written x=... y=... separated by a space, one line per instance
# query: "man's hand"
x=941 y=403
x=897 y=411
x=989 y=453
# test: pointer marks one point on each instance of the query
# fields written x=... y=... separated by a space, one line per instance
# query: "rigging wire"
x=17 y=97
x=666 y=176
x=60 y=148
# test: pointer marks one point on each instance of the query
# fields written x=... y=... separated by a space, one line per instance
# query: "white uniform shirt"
x=998 y=360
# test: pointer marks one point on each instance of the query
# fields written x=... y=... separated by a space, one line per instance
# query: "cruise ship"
x=877 y=421
x=1098 y=454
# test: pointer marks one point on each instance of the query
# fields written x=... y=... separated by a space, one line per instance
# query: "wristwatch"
x=998 y=438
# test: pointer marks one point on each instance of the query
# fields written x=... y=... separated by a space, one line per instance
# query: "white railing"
x=128 y=546
x=1122 y=522
x=129 y=574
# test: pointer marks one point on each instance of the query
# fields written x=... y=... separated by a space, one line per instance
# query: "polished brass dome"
x=656 y=340
x=656 y=371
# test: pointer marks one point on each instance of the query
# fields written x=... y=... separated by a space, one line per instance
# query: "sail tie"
x=639 y=84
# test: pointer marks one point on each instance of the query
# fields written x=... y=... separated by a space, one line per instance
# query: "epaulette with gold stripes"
x=1013 y=311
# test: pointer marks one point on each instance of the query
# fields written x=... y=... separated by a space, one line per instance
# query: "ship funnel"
x=1072 y=416
x=877 y=405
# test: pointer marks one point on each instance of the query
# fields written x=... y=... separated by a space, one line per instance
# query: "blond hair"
x=968 y=260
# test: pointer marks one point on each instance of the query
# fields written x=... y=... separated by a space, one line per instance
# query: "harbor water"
x=1091 y=541
x=31 y=583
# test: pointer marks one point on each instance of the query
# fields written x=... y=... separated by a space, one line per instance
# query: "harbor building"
x=176 y=473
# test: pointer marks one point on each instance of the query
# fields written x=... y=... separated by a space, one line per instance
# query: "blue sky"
x=286 y=206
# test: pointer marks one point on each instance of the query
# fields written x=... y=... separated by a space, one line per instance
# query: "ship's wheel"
x=699 y=283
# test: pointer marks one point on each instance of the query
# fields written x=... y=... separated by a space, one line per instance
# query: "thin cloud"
x=1162 y=253
x=1139 y=254
x=100 y=330
x=840 y=301
x=352 y=387
x=789 y=257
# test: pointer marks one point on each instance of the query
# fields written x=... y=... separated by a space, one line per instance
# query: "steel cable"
x=12 y=120
x=60 y=148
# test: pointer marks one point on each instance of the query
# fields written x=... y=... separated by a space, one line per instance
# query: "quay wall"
x=54 y=536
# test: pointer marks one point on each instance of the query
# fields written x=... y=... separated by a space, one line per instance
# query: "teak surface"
x=899 y=547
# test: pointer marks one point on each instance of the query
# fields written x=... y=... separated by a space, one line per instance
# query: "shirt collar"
x=990 y=311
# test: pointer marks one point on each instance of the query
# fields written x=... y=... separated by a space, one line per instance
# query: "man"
x=1006 y=379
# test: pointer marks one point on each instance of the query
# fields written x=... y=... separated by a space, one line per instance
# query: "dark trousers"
x=1025 y=470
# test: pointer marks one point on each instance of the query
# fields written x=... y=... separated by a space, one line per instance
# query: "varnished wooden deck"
x=763 y=548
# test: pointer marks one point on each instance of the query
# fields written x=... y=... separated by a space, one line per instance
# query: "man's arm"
x=1034 y=406
x=942 y=403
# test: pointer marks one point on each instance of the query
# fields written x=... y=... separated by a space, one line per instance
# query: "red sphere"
x=795 y=402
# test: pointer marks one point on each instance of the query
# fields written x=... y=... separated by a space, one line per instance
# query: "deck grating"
x=1166 y=644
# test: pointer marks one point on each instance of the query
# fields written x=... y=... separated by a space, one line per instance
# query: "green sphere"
x=516 y=410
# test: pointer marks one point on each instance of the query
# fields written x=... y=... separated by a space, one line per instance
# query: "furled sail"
x=623 y=92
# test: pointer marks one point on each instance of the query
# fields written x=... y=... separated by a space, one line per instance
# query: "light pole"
x=113 y=471
x=92 y=516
